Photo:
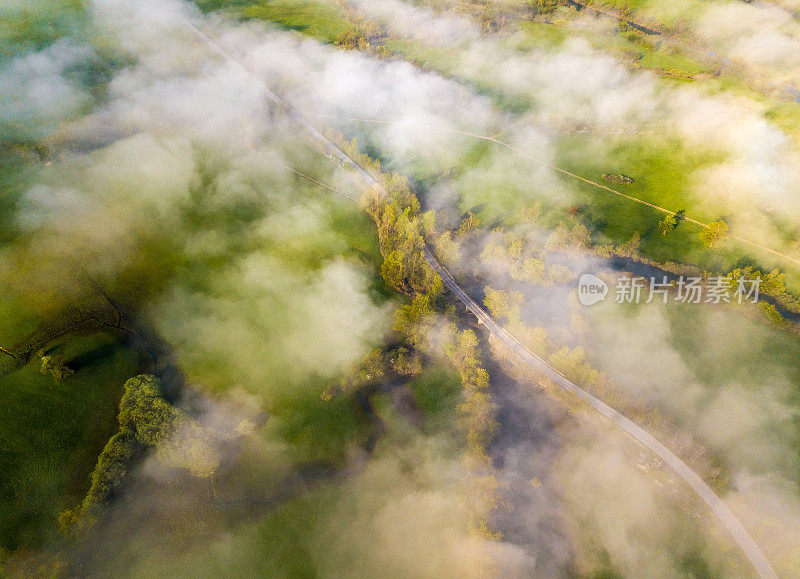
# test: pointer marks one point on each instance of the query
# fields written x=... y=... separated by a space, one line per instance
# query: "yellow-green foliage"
x=368 y=369
x=55 y=366
x=772 y=284
x=573 y=364
x=414 y=319
x=477 y=415
x=145 y=419
x=144 y=412
x=773 y=315
x=511 y=254
x=401 y=227
x=562 y=238
x=477 y=410
x=631 y=247
x=406 y=362
x=714 y=234
x=447 y=249
x=503 y=305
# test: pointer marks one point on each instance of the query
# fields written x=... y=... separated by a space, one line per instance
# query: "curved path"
x=726 y=517
x=732 y=524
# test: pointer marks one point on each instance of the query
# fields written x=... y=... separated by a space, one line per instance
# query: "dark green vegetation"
x=52 y=433
x=145 y=419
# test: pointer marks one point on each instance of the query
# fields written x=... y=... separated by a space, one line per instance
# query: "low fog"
x=173 y=188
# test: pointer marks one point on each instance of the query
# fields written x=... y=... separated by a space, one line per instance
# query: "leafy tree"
x=772 y=313
x=145 y=413
x=714 y=234
x=400 y=233
x=369 y=368
x=667 y=224
x=406 y=362
x=54 y=365
x=503 y=305
x=447 y=249
x=469 y=223
x=145 y=420
x=542 y=7
x=573 y=364
x=671 y=222
x=414 y=319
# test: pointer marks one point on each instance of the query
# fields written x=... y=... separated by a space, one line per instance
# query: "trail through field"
x=544 y=163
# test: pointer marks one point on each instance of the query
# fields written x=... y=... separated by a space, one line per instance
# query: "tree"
x=370 y=368
x=54 y=364
x=671 y=221
x=667 y=224
x=469 y=223
x=715 y=233
x=406 y=362
x=145 y=420
x=503 y=305
x=414 y=319
x=542 y=6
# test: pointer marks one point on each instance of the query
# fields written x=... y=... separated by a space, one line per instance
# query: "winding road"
x=718 y=507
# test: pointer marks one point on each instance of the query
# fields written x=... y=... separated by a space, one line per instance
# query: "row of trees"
x=146 y=420
x=477 y=415
x=510 y=253
x=402 y=228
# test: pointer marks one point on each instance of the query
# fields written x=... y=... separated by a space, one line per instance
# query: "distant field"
x=320 y=20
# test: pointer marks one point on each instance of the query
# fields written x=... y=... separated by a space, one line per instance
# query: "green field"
x=52 y=432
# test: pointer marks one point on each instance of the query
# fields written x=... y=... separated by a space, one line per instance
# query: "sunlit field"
x=377 y=288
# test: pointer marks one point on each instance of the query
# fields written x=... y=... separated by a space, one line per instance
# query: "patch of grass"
x=316 y=19
x=438 y=392
x=320 y=430
x=52 y=432
x=670 y=62
x=34 y=25
x=443 y=62
x=661 y=170
x=786 y=115
x=753 y=359
x=540 y=35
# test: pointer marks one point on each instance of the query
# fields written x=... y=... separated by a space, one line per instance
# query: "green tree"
x=667 y=224
x=406 y=362
x=671 y=222
x=54 y=365
x=145 y=420
x=503 y=305
x=715 y=233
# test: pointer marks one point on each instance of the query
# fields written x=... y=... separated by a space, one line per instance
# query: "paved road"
x=728 y=519
x=732 y=524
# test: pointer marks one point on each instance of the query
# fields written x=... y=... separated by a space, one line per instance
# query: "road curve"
x=726 y=517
